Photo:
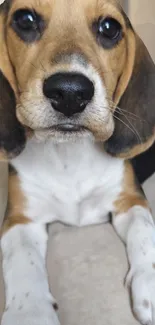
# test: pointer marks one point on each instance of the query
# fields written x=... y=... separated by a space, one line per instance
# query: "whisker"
x=43 y=68
x=117 y=118
x=130 y=126
x=33 y=65
x=134 y=129
x=132 y=115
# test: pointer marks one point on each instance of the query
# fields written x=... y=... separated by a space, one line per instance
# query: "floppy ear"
x=135 y=116
x=144 y=164
x=12 y=135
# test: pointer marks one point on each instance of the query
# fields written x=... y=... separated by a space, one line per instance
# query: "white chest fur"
x=75 y=183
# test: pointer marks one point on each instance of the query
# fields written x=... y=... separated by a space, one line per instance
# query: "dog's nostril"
x=80 y=96
x=54 y=94
x=69 y=93
x=55 y=97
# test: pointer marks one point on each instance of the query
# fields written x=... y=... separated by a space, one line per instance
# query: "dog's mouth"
x=63 y=132
x=69 y=128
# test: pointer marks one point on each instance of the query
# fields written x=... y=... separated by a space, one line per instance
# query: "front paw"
x=142 y=281
x=31 y=316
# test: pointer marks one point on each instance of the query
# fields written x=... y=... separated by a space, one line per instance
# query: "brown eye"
x=109 y=31
x=28 y=25
x=109 y=28
x=25 y=20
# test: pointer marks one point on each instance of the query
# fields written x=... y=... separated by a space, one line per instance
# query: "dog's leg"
x=28 y=299
x=134 y=224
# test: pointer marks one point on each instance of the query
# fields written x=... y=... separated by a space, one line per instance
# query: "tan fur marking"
x=128 y=69
x=13 y=221
x=130 y=195
x=16 y=203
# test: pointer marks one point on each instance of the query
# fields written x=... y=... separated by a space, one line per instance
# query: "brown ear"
x=135 y=116
x=12 y=135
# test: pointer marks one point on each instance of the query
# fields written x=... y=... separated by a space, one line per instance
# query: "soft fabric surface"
x=86 y=268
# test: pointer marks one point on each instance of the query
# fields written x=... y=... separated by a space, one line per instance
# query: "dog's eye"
x=25 y=20
x=27 y=24
x=109 y=31
x=109 y=28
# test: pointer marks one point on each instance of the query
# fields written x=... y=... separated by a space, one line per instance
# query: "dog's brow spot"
x=153 y=265
x=146 y=304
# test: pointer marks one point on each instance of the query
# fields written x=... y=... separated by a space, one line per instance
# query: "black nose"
x=69 y=93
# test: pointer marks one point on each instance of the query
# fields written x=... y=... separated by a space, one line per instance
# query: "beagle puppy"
x=77 y=103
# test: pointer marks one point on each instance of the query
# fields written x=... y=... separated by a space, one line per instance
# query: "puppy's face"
x=72 y=64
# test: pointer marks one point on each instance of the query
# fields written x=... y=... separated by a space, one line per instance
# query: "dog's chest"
x=76 y=183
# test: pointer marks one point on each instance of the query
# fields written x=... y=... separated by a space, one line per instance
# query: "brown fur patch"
x=12 y=221
x=16 y=203
x=131 y=194
x=128 y=69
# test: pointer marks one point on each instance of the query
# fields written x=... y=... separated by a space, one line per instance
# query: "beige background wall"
x=142 y=15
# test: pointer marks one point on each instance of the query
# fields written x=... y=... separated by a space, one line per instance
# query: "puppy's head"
x=81 y=71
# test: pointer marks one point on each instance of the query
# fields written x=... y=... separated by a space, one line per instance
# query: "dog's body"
x=63 y=182
x=67 y=99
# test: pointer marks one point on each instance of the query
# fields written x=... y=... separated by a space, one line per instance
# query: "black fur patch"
x=144 y=165
x=12 y=134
